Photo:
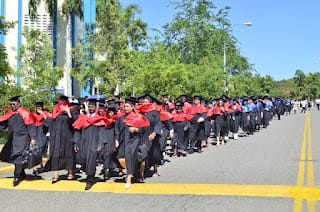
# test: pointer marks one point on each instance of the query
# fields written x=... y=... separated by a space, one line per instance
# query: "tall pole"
x=225 y=87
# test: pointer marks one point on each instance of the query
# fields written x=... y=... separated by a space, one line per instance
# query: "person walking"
x=21 y=134
x=61 y=154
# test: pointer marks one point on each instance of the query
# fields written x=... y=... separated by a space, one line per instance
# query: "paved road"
x=276 y=169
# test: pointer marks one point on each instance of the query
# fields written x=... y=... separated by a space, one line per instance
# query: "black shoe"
x=54 y=180
x=88 y=185
x=17 y=181
x=190 y=151
x=106 y=174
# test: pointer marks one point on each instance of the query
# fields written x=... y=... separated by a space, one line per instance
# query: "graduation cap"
x=158 y=101
x=112 y=107
x=101 y=105
x=117 y=96
x=141 y=96
x=148 y=97
x=111 y=102
x=39 y=104
x=130 y=101
x=245 y=99
x=253 y=98
x=197 y=97
x=92 y=102
x=15 y=99
x=225 y=97
x=63 y=98
x=165 y=95
x=183 y=96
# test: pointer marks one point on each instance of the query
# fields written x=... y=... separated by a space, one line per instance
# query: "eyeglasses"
x=13 y=104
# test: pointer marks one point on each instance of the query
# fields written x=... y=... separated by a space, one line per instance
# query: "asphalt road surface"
x=276 y=169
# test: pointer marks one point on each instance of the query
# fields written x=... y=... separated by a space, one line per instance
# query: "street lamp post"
x=225 y=87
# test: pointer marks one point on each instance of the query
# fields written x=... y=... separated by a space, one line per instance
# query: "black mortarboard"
x=245 y=99
x=15 y=99
x=39 y=104
x=63 y=98
x=112 y=107
x=92 y=102
x=253 y=98
x=183 y=96
x=148 y=97
x=225 y=97
x=141 y=96
x=101 y=105
x=102 y=101
x=131 y=101
x=197 y=97
x=111 y=102
x=158 y=101
x=165 y=95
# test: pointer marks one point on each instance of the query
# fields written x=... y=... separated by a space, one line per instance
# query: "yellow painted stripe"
x=301 y=170
x=10 y=167
x=310 y=193
x=297 y=207
x=310 y=159
x=311 y=205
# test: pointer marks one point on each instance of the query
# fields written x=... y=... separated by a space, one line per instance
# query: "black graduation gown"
x=19 y=136
x=155 y=155
x=41 y=132
x=88 y=139
x=180 y=138
x=197 y=133
x=109 y=148
x=235 y=121
x=61 y=154
x=128 y=144
x=165 y=129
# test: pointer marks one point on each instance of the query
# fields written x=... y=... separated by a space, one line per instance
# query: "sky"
x=284 y=36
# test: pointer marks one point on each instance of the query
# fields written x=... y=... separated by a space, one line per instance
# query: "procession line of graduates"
x=131 y=135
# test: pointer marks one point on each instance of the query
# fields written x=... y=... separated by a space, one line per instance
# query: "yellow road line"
x=279 y=191
x=301 y=170
x=306 y=141
x=311 y=205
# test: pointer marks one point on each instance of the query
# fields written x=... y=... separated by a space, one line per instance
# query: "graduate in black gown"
x=61 y=153
x=89 y=139
x=42 y=122
x=21 y=134
x=109 y=149
x=166 y=126
x=197 y=128
x=153 y=133
x=129 y=130
x=181 y=123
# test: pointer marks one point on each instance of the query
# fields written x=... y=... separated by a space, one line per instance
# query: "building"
x=64 y=31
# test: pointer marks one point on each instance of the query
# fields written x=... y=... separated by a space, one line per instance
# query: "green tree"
x=299 y=80
x=106 y=52
x=5 y=69
x=38 y=76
